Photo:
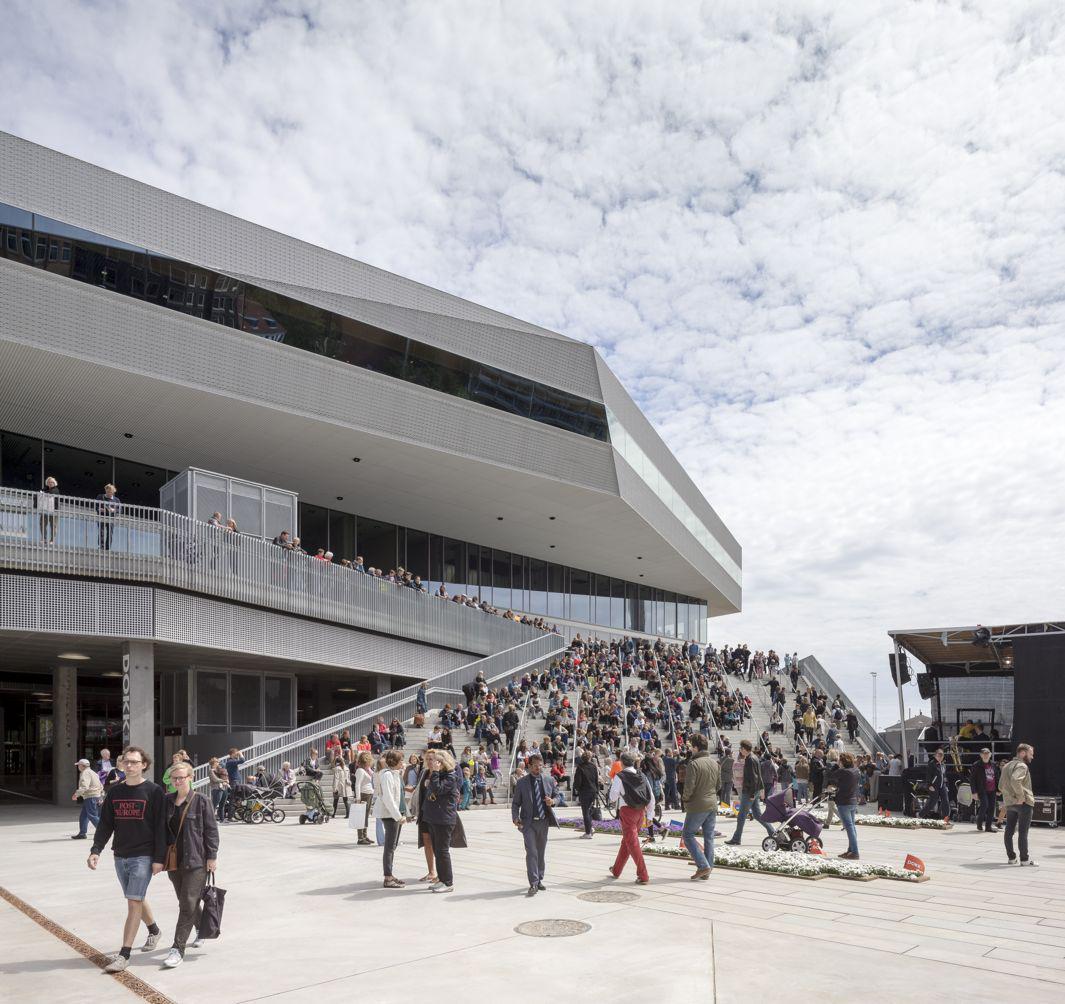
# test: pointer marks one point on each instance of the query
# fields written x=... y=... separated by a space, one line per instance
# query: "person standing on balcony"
x=48 y=505
x=107 y=506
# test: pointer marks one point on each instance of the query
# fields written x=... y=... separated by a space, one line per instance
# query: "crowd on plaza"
x=633 y=726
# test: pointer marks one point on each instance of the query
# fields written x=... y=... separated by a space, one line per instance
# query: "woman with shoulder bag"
x=192 y=852
x=364 y=787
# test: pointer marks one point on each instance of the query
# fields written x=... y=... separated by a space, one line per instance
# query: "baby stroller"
x=316 y=809
x=255 y=805
x=798 y=831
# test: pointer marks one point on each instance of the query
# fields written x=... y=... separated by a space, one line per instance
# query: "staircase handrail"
x=517 y=743
x=700 y=688
x=820 y=678
x=538 y=649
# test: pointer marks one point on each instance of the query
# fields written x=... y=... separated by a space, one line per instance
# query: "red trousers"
x=630 y=842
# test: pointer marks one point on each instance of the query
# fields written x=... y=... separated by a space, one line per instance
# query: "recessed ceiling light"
x=347 y=690
x=101 y=460
x=641 y=575
x=552 y=517
x=128 y=435
x=639 y=557
x=500 y=518
x=356 y=460
x=340 y=498
x=41 y=693
x=74 y=656
x=109 y=675
x=552 y=546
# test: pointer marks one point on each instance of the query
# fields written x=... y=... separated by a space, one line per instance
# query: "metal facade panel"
x=568 y=365
x=63 y=315
x=205 y=623
x=48 y=182
x=618 y=401
x=64 y=606
x=645 y=502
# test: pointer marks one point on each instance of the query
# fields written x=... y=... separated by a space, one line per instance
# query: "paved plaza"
x=307 y=920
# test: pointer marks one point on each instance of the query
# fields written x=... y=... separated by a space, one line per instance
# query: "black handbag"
x=214 y=899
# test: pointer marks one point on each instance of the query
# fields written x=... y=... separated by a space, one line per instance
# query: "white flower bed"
x=790 y=863
x=892 y=822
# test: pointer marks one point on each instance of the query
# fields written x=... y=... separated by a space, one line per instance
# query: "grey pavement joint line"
x=713 y=962
x=132 y=983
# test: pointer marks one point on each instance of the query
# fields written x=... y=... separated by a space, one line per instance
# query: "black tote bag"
x=214 y=899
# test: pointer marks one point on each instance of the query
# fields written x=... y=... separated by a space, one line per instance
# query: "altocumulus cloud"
x=820 y=242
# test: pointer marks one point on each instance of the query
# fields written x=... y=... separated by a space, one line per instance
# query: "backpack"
x=635 y=790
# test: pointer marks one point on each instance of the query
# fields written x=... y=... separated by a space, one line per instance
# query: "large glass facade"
x=202 y=293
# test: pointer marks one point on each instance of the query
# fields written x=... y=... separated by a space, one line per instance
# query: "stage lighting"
x=981 y=637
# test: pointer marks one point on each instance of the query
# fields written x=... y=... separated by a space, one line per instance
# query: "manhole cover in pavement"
x=552 y=928
x=608 y=896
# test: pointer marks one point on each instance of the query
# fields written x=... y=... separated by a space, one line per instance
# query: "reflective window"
x=602 y=599
x=20 y=462
x=342 y=535
x=455 y=565
x=245 y=696
x=417 y=562
x=487 y=593
x=211 y=296
x=211 y=698
x=501 y=579
x=579 y=604
x=436 y=561
x=139 y=484
x=314 y=528
x=617 y=603
x=537 y=586
x=377 y=544
x=473 y=570
x=519 y=598
x=79 y=472
x=556 y=595
x=278 y=700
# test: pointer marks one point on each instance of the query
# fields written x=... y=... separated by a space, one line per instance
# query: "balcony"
x=85 y=538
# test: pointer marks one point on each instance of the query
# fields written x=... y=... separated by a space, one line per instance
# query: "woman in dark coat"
x=586 y=788
x=192 y=828
x=439 y=810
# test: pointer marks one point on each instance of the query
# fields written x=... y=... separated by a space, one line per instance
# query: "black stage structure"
x=1009 y=679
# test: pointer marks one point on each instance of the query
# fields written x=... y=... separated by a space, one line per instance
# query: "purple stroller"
x=798 y=829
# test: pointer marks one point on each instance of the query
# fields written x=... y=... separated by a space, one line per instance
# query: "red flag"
x=913 y=864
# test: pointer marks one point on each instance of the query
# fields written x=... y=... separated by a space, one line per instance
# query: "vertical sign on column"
x=125 y=699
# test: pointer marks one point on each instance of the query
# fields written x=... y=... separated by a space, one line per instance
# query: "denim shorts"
x=134 y=874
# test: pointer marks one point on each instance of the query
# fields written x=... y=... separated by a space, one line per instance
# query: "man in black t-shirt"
x=134 y=810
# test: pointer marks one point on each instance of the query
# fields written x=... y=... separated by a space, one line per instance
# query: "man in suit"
x=530 y=808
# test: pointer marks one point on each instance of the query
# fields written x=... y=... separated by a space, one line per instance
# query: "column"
x=138 y=698
x=64 y=732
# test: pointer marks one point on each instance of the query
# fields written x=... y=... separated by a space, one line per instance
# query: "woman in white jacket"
x=390 y=806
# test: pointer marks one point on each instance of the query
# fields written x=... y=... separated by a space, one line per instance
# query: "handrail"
x=576 y=727
x=517 y=743
x=98 y=538
x=700 y=686
x=820 y=678
x=399 y=704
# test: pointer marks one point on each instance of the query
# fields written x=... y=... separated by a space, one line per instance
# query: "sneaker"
x=173 y=959
x=531 y=892
x=1012 y=861
x=117 y=964
x=541 y=887
x=1029 y=864
x=150 y=943
x=79 y=836
x=197 y=941
x=586 y=836
x=736 y=843
x=700 y=873
x=440 y=887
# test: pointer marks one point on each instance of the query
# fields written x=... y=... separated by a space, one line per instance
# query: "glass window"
x=669 y=616
x=602 y=599
x=682 y=617
x=417 y=560
x=617 y=603
x=501 y=590
x=181 y=698
x=212 y=495
x=579 y=604
x=436 y=561
x=88 y=257
x=16 y=234
x=473 y=570
x=138 y=483
x=342 y=535
x=211 y=698
x=646 y=611
x=633 y=612
x=377 y=544
x=20 y=462
x=519 y=599
x=245 y=695
x=537 y=586
x=278 y=693
x=314 y=527
x=556 y=590
x=78 y=472
x=486 y=575
x=280 y=515
x=455 y=565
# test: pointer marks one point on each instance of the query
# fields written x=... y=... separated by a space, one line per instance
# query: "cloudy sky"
x=821 y=243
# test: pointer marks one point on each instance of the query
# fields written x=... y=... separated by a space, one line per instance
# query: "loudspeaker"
x=891 y=792
x=903 y=671
x=926 y=686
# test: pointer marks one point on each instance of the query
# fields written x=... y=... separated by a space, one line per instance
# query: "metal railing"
x=517 y=742
x=699 y=687
x=820 y=678
x=96 y=538
x=401 y=704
